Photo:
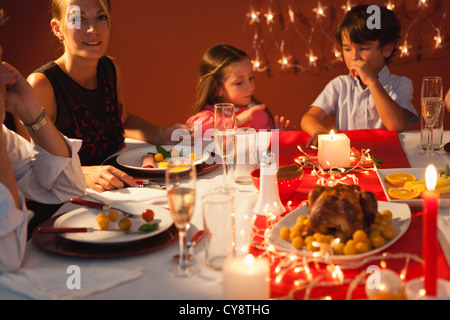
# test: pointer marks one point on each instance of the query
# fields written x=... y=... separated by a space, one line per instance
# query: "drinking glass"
x=219 y=226
x=224 y=130
x=432 y=102
x=180 y=184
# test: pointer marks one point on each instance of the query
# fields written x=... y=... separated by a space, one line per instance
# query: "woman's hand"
x=171 y=135
x=104 y=178
x=20 y=98
x=6 y=79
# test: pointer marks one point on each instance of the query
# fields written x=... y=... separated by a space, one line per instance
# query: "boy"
x=370 y=96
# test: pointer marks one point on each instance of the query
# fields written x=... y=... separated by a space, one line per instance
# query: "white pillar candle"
x=246 y=279
x=334 y=150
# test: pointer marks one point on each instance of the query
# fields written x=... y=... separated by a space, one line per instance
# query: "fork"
x=102 y=206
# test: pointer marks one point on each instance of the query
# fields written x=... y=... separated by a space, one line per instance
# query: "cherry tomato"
x=148 y=215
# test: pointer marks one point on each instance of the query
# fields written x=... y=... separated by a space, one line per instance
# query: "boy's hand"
x=314 y=139
x=361 y=69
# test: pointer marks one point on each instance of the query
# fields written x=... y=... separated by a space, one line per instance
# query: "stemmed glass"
x=224 y=130
x=180 y=185
x=431 y=99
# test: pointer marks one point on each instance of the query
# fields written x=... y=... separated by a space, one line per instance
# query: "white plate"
x=87 y=217
x=419 y=173
x=133 y=159
x=401 y=219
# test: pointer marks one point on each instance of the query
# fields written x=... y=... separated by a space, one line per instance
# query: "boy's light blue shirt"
x=354 y=107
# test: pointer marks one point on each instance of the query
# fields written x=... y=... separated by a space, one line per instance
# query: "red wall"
x=160 y=44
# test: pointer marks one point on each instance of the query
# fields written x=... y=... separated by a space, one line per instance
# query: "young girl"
x=226 y=75
x=83 y=92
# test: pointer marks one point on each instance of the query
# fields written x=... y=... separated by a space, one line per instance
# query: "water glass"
x=218 y=219
x=244 y=155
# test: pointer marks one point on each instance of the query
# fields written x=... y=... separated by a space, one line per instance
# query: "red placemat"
x=385 y=146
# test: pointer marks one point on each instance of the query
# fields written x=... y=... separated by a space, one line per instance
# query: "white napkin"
x=54 y=283
x=144 y=195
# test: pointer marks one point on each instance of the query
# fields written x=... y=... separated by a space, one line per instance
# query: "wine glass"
x=432 y=103
x=224 y=130
x=180 y=185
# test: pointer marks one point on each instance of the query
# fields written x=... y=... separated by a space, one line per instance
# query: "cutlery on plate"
x=191 y=244
x=102 y=206
x=82 y=230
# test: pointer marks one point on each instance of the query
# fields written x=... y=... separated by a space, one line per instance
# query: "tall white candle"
x=246 y=279
x=334 y=150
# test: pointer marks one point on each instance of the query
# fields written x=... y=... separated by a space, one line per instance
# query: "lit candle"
x=334 y=150
x=246 y=279
x=429 y=246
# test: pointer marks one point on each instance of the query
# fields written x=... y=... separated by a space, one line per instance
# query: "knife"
x=82 y=230
x=145 y=183
x=101 y=206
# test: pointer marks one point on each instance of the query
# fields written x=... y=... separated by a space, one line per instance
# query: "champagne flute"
x=224 y=130
x=432 y=103
x=180 y=185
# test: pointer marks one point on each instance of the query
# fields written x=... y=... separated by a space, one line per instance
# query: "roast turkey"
x=341 y=210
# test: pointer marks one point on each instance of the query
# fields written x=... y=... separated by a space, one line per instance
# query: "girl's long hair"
x=212 y=72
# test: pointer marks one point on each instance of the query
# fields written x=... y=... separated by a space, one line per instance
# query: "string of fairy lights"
x=300 y=275
x=281 y=24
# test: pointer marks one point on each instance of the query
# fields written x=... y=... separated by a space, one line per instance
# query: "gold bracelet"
x=39 y=123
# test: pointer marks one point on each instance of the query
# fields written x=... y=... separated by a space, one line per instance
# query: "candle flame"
x=332 y=134
x=430 y=177
x=248 y=261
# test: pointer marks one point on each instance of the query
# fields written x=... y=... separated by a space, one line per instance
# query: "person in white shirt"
x=370 y=96
x=47 y=169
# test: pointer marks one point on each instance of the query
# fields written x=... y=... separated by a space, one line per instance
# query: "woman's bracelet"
x=39 y=123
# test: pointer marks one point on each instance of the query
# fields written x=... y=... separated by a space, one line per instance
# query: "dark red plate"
x=54 y=243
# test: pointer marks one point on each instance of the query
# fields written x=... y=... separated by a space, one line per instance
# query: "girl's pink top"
x=206 y=117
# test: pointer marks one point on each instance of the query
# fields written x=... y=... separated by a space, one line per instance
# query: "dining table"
x=140 y=270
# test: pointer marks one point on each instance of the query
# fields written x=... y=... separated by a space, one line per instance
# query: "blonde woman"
x=83 y=92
